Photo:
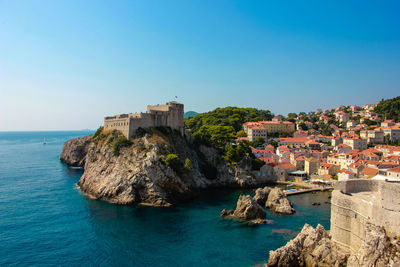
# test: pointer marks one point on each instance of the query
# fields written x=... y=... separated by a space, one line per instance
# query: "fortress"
x=168 y=115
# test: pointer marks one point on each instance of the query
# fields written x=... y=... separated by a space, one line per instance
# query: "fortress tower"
x=169 y=115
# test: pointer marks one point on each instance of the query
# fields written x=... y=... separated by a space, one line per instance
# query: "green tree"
x=241 y=133
x=389 y=109
x=258 y=142
x=303 y=126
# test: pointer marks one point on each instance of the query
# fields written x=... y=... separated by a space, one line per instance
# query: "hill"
x=389 y=109
x=190 y=114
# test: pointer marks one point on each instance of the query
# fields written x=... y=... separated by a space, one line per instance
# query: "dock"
x=302 y=191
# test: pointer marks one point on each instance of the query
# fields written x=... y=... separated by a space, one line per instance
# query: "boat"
x=44 y=141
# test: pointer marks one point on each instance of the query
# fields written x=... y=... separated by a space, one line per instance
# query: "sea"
x=46 y=221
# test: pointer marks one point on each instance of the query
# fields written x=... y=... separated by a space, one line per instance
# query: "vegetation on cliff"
x=389 y=109
x=218 y=128
x=228 y=116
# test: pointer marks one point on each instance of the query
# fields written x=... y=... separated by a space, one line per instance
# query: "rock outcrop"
x=75 y=150
x=378 y=249
x=248 y=209
x=261 y=195
x=311 y=247
x=135 y=172
x=278 y=202
x=314 y=247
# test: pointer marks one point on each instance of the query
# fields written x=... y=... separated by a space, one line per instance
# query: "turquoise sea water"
x=45 y=220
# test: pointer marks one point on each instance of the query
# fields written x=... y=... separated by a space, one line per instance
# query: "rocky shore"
x=135 y=171
x=314 y=247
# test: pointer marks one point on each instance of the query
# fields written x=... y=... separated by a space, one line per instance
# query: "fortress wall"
x=356 y=202
x=121 y=124
x=169 y=115
x=348 y=220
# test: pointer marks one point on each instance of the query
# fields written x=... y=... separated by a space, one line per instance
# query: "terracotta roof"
x=396 y=169
x=293 y=140
x=369 y=171
x=346 y=171
x=287 y=165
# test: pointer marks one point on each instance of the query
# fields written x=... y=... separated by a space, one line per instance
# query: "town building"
x=311 y=165
x=356 y=143
x=373 y=136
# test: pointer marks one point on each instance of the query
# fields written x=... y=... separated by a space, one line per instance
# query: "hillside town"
x=327 y=145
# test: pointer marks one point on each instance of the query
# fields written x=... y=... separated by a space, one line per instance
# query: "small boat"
x=44 y=141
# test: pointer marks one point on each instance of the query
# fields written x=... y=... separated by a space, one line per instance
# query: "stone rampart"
x=356 y=202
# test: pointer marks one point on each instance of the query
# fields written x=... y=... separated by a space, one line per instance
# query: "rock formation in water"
x=136 y=171
x=261 y=195
x=278 y=202
x=247 y=209
x=75 y=150
x=274 y=199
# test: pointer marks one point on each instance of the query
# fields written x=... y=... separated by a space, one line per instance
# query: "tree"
x=389 y=109
x=303 y=126
x=258 y=142
x=241 y=133
x=274 y=143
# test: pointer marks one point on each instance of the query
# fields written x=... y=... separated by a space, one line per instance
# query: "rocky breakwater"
x=247 y=209
x=158 y=167
x=274 y=199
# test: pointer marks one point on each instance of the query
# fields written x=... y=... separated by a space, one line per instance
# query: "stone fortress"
x=169 y=115
x=356 y=204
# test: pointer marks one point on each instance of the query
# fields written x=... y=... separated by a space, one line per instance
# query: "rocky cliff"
x=136 y=171
x=75 y=150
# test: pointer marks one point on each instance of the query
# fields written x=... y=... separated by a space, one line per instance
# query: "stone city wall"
x=356 y=202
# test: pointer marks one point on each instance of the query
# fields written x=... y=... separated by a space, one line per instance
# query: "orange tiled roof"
x=369 y=171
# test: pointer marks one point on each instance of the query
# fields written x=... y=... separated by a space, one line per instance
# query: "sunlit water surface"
x=44 y=219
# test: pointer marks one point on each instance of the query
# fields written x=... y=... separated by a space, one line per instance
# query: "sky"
x=65 y=65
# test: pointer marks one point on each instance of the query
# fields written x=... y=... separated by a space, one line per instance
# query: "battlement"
x=170 y=115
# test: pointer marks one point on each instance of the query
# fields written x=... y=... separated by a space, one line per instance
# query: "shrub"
x=98 y=132
x=140 y=132
x=188 y=165
x=172 y=161
x=121 y=142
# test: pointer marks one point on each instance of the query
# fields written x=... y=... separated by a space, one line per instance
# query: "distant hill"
x=389 y=109
x=190 y=114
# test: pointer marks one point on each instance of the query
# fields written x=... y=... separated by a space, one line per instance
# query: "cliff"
x=138 y=171
x=75 y=150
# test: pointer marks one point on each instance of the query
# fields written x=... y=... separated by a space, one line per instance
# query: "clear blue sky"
x=67 y=64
